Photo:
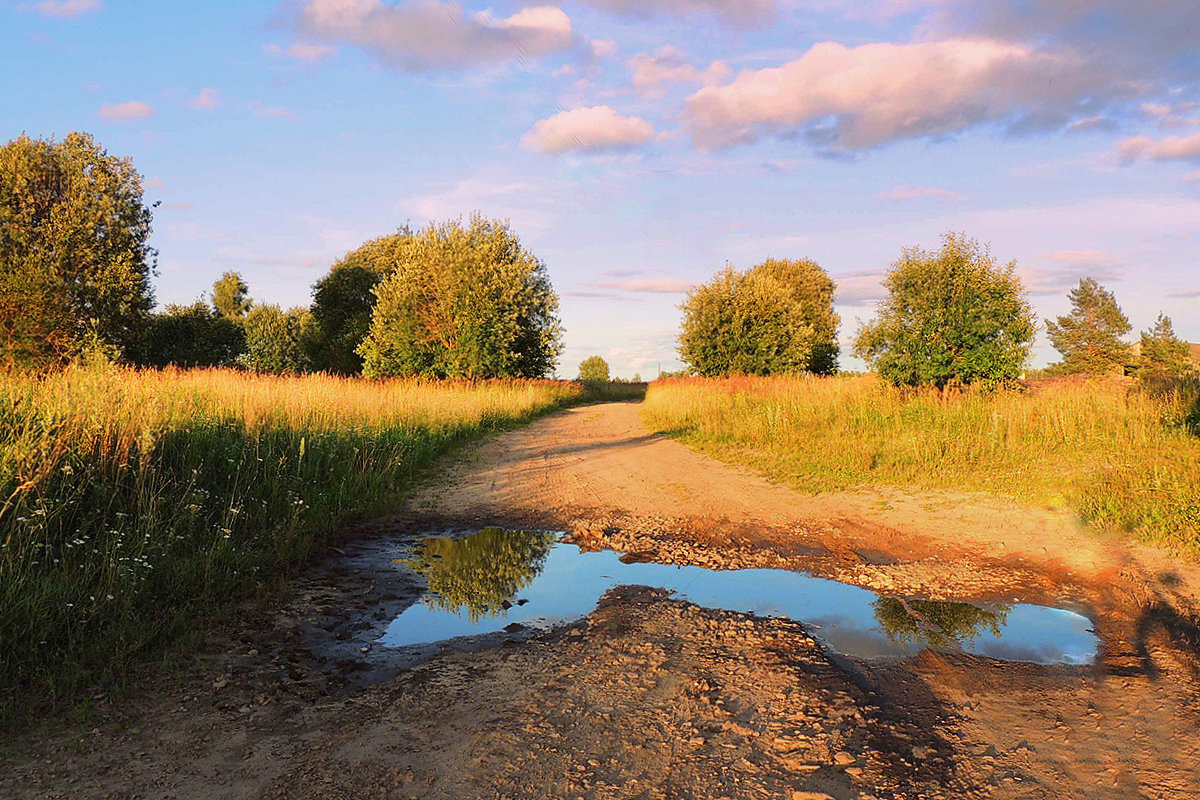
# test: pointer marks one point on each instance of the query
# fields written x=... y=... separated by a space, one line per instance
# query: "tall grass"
x=134 y=503
x=1122 y=458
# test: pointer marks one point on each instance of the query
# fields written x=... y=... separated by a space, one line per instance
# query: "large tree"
x=464 y=301
x=951 y=316
x=1163 y=355
x=75 y=259
x=776 y=318
x=1089 y=338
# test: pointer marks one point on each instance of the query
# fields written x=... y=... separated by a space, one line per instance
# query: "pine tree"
x=1089 y=338
x=1163 y=354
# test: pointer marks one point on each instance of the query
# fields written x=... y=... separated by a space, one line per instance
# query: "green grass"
x=1123 y=458
x=137 y=505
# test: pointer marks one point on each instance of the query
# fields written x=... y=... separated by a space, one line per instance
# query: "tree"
x=229 y=297
x=192 y=336
x=954 y=316
x=344 y=300
x=593 y=369
x=464 y=301
x=1089 y=338
x=276 y=339
x=1162 y=354
x=75 y=260
x=777 y=318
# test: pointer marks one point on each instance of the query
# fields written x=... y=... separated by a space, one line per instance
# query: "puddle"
x=486 y=581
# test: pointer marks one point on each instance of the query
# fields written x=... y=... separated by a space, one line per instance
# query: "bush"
x=777 y=318
x=277 y=340
x=950 y=317
x=192 y=336
x=464 y=301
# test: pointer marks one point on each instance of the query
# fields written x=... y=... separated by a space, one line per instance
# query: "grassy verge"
x=137 y=504
x=1122 y=458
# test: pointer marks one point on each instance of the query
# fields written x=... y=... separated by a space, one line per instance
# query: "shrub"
x=276 y=340
x=192 y=336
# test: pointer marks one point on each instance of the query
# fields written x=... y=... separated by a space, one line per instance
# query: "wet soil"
x=653 y=697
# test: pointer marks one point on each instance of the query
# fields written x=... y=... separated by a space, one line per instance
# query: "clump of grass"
x=1123 y=458
x=135 y=503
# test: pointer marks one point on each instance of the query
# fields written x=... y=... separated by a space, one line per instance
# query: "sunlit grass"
x=1121 y=457
x=136 y=503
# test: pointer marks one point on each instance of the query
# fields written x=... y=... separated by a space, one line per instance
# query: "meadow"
x=1123 y=456
x=138 y=504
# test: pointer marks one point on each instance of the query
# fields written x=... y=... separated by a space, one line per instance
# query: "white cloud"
x=126 y=112
x=734 y=12
x=309 y=53
x=1172 y=148
x=876 y=93
x=207 y=99
x=419 y=35
x=589 y=129
x=669 y=65
x=908 y=191
x=63 y=9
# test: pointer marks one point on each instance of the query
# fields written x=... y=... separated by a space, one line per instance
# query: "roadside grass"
x=1125 y=458
x=137 y=504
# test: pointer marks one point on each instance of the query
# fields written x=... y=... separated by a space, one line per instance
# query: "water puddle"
x=487 y=581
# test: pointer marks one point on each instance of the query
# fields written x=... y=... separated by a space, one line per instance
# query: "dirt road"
x=652 y=697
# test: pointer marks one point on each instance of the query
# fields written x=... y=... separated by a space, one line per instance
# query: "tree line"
x=467 y=299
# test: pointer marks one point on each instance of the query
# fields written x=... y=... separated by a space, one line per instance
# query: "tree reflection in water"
x=482 y=572
x=928 y=623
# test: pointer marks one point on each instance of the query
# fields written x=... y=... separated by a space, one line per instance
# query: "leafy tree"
x=192 y=336
x=1089 y=338
x=276 y=340
x=940 y=625
x=954 y=316
x=230 y=298
x=1163 y=355
x=343 y=302
x=593 y=369
x=776 y=318
x=75 y=260
x=464 y=301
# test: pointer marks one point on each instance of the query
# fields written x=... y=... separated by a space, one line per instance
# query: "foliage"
x=777 y=318
x=1125 y=460
x=277 y=340
x=75 y=260
x=1089 y=338
x=192 y=336
x=344 y=300
x=1163 y=356
x=230 y=297
x=593 y=369
x=950 y=317
x=481 y=572
x=140 y=503
x=464 y=301
x=939 y=625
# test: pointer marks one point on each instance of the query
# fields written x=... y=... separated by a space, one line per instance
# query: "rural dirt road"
x=653 y=697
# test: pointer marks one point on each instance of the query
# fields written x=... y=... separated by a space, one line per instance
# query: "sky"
x=639 y=146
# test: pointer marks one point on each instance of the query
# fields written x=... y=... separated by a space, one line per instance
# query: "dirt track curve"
x=652 y=697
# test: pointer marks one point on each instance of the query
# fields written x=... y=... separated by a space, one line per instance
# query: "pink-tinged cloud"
x=421 y=35
x=126 y=112
x=63 y=9
x=909 y=191
x=272 y=112
x=647 y=285
x=591 y=129
x=669 y=65
x=1192 y=177
x=206 y=100
x=308 y=53
x=733 y=12
x=1172 y=148
x=878 y=93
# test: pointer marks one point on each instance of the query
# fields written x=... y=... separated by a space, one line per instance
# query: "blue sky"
x=637 y=146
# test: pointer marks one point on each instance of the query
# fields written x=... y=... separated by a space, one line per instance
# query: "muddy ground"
x=652 y=697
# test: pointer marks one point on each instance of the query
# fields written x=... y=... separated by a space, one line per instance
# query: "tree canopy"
x=1162 y=354
x=230 y=296
x=277 y=340
x=75 y=260
x=192 y=336
x=776 y=318
x=593 y=369
x=951 y=316
x=464 y=301
x=1089 y=338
